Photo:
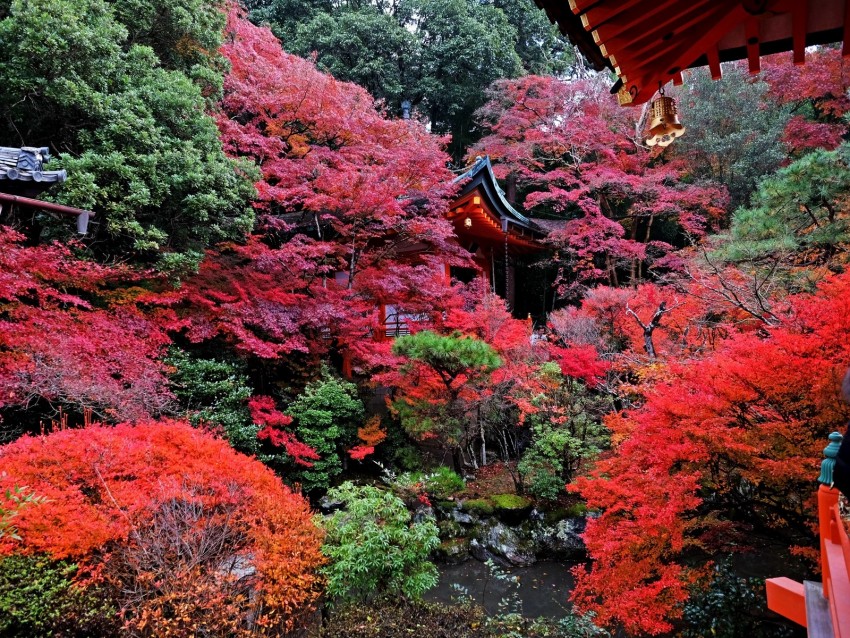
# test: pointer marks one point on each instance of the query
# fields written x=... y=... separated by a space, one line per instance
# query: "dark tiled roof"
x=481 y=174
x=550 y=225
x=27 y=165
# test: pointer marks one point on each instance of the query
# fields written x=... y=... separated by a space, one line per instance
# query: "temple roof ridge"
x=26 y=164
x=481 y=173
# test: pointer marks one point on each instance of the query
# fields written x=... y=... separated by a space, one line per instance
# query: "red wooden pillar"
x=347 y=369
x=381 y=331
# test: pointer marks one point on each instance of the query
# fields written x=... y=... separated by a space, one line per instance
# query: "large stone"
x=423 y=513
x=500 y=540
x=327 y=505
x=512 y=508
x=464 y=518
x=560 y=540
x=454 y=551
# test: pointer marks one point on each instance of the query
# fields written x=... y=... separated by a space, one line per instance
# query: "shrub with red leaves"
x=191 y=537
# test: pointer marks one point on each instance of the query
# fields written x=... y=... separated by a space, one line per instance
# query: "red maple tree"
x=740 y=429
x=350 y=207
x=575 y=155
x=73 y=336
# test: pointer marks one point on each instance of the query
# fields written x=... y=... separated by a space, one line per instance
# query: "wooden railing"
x=823 y=608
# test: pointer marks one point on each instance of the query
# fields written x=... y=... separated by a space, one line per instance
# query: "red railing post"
x=827 y=498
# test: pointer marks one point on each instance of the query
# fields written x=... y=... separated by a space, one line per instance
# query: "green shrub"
x=559 y=446
x=576 y=510
x=443 y=483
x=374 y=548
x=326 y=417
x=38 y=599
x=542 y=483
x=731 y=607
x=570 y=626
x=439 y=484
x=511 y=502
x=215 y=392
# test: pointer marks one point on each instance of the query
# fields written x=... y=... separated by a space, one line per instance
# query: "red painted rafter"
x=751 y=33
x=686 y=40
x=625 y=20
x=845 y=50
x=694 y=43
x=601 y=13
x=657 y=33
x=713 y=55
x=580 y=6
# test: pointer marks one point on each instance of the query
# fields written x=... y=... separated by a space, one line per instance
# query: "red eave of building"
x=648 y=44
x=485 y=226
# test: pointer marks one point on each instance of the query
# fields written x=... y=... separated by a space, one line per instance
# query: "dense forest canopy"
x=439 y=55
x=180 y=385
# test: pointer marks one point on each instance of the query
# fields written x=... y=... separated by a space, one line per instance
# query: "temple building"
x=22 y=179
x=503 y=242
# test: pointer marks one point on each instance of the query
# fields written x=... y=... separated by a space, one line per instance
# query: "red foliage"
x=351 y=210
x=371 y=435
x=822 y=81
x=749 y=418
x=575 y=153
x=802 y=134
x=68 y=339
x=117 y=495
x=360 y=452
x=580 y=362
x=265 y=413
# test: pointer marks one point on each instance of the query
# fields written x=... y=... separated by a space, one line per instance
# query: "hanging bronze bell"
x=664 y=126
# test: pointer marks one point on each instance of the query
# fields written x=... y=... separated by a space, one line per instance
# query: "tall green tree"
x=438 y=54
x=119 y=92
x=735 y=130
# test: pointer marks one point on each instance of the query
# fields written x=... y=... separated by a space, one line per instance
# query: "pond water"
x=543 y=589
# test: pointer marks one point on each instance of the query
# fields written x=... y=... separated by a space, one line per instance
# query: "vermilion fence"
x=823 y=608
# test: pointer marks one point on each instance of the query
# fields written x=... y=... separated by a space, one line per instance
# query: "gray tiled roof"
x=481 y=174
x=27 y=165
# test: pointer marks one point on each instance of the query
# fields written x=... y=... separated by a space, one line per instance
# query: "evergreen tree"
x=734 y=134
x=119 y=92
x=800 y=212
x=438 y=54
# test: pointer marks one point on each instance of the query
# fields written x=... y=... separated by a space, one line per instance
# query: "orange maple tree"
x=187 y=532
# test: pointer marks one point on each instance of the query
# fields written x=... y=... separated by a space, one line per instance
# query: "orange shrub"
x=191 y=535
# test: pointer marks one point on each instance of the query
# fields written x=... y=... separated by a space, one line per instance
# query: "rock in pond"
x=496 y=539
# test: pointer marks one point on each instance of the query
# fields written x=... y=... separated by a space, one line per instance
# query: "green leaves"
x=15 y=499
x=734 y=130
x=39 y=599
x=112 y=89
x=449 y=356
x=215 y=392
x=801 y=207
x=326 y=417
x=374 y=548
